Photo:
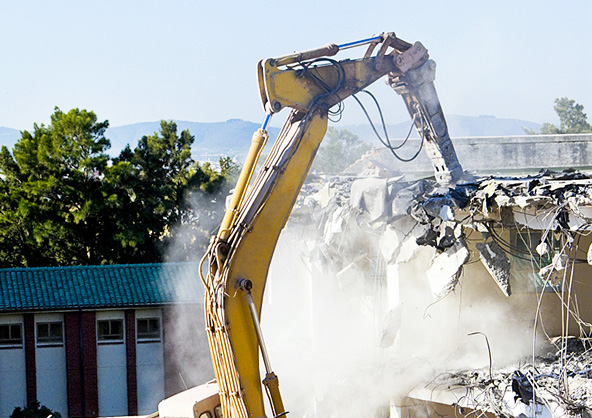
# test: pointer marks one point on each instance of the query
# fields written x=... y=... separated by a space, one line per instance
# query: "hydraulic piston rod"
x=271 y=381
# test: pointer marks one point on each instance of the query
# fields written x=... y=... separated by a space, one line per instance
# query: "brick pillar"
x=81 y=364
x=30 y=366
x=130 y=348
x=73 y=364
x=89 y=350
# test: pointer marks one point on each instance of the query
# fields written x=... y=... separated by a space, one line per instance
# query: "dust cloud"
x=188 y=352
x=350 y=338
x=349 y=347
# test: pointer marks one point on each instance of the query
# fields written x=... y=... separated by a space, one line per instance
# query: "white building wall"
x=13 y=379
x=112 y=372
x=50 y=361
x=149 y=368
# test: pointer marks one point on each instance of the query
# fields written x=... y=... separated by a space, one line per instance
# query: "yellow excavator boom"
x=309 y=83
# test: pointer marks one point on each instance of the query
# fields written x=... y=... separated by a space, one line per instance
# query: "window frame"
x=120 y=336
x=148 y=338
x=12 y=342
x=528 y=280
x=49 y=342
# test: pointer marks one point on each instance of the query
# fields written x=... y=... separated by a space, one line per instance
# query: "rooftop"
x=92 y=287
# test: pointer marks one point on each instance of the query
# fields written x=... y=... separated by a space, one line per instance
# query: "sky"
x=137 y=61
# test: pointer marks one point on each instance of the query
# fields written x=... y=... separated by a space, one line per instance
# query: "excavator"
x=310 y=84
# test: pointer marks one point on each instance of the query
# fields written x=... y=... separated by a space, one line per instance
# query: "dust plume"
x=348 y=346
x=187 y=352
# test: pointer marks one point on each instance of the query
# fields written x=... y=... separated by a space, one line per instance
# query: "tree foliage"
x=64 y=201
x=339 y=150
x=572 y=119
x=34 y=410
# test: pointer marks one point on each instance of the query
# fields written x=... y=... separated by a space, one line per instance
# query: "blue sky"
x=136 y=61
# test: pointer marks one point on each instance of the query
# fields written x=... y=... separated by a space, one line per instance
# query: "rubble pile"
x=411 y=214
x=556 y=385
x=373 y=226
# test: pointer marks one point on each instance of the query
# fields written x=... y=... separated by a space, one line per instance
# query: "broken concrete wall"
x=577 y=294
x=442 y=290
x=422 y=268
x=441 y=325
x=443 y=223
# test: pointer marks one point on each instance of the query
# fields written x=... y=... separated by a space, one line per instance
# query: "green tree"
x=63 y=201
x=339 y=150
x=163 y=196
x=572 y=119
x=51 y=200
x=151 y=183
x=34 y=410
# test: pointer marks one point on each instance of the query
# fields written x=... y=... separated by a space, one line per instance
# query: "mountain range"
x=233 y=137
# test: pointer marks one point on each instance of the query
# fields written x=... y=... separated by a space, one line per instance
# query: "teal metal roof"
x=51 y=288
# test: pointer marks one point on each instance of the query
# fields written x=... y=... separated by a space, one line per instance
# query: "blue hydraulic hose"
x=358 y=43
x=266 y=121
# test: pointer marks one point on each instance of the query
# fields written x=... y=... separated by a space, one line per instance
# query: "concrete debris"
x=391 y=328
x=393 y=236
x=369 y=196
x=497 y=264
x=409 y=250
x=355 y=207
x=383 y=200
x=543 y=248
x=524 y=233
x=446 y=213
x=371 y=165
x=545 y=389
x=553 y=273
x=444 y=272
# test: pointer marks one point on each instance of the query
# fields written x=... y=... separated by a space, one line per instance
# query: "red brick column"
x=73 y=363
x=130 y=348
x=89 y=350
x=30 y=365
x=81 y=364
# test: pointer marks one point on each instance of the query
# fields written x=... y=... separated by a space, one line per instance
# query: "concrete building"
x=99 y=340
x=507 y=155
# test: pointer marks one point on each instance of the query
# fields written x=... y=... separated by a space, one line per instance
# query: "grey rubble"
x=405 y=216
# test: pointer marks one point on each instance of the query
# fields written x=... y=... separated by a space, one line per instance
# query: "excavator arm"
x=309 y=83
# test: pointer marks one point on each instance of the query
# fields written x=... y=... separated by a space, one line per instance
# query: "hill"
x=233 y=137
x=9 y=136
x=458 y=127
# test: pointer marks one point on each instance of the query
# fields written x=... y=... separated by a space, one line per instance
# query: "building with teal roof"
x=107 y=340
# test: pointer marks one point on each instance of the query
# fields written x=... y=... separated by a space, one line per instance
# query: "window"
x=110 y=331
x=50 y=333
x=148 y=329
x=11 y=335
x=526 y=263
